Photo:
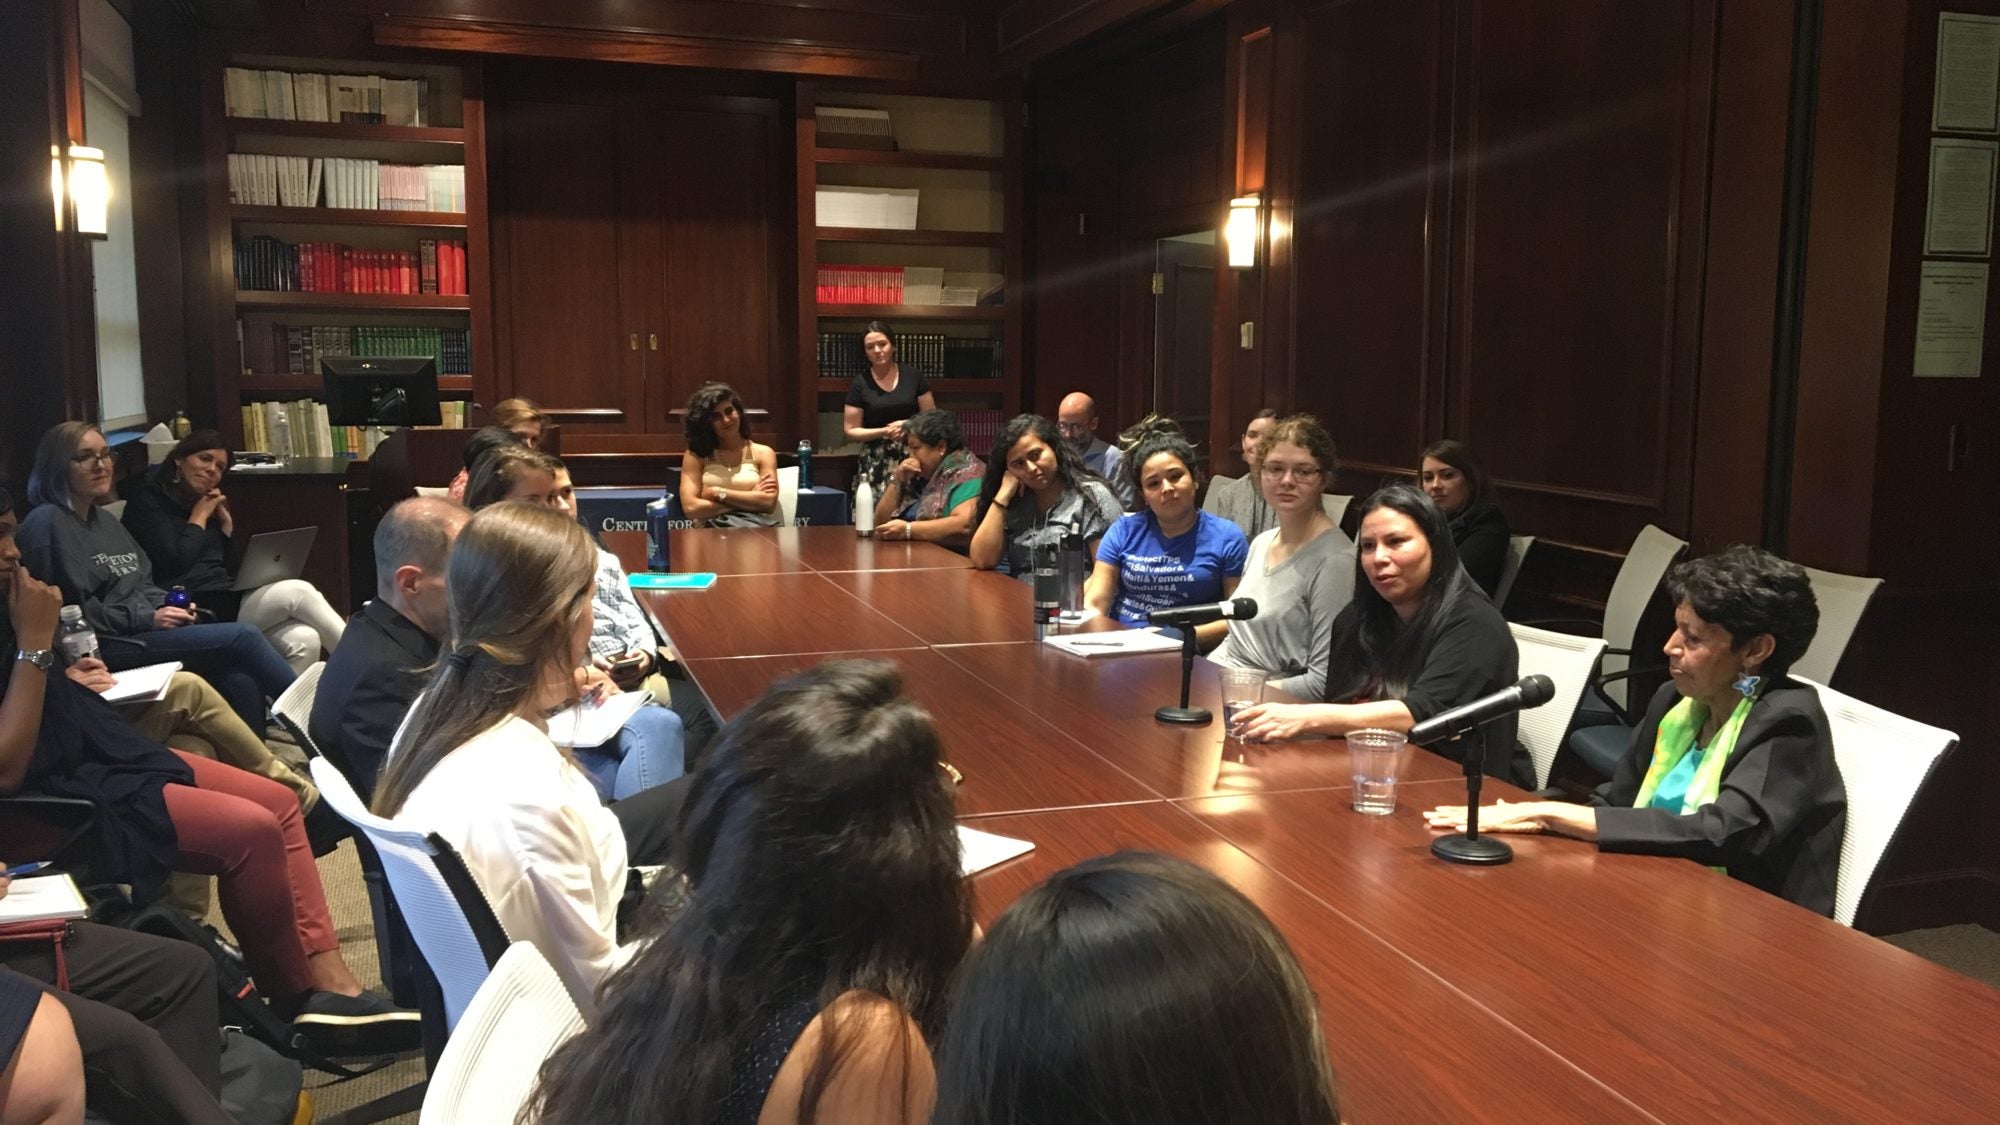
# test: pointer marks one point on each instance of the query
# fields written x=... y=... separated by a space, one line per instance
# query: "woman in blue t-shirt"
x=1172 y=553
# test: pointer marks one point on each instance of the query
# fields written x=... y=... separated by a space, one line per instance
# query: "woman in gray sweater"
x=1301 y=572
x=100 y=567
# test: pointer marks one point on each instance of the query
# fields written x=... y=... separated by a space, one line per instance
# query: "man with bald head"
x=377 y=672
x=1077 y=419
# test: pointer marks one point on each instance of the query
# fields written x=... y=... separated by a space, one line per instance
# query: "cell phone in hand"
x=628 y=665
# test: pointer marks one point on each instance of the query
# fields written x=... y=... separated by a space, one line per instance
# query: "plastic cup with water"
x=1242 y=688
x=1377 y=758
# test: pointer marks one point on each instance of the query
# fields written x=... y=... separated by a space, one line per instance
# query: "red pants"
x=247 y=831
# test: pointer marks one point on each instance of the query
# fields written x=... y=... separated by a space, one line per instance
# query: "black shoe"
x=368 y=1024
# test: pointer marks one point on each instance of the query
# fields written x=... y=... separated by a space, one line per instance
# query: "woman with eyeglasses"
x=1173 y=553
x=97 y=564
x=1300 y=573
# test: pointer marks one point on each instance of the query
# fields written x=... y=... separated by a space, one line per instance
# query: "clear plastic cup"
x=1241 y=688
x=1377 y=758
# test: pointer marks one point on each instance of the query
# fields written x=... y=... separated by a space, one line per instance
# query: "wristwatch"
x=42 y=658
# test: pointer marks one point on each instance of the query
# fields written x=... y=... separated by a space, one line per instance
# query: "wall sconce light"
x=82 y=188
x=1240 y=231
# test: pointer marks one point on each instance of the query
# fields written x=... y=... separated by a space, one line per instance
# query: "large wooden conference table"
x=1564 y=986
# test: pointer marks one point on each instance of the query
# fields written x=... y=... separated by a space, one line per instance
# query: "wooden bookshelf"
x=375 y=302
x=963 y=154
x=829 y=385
x=345 y=131
x=244 y=321
x=897 y=158
x=916 y=312
x=995 y=239
x=347 y=216
x=307 y=386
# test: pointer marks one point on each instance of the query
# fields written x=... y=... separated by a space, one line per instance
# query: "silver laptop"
x=274 y=556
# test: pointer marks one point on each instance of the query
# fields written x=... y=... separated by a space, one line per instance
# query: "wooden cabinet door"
x=570 y=327
x=722 y=306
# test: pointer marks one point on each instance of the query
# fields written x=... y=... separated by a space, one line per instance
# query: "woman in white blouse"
x=474 y=762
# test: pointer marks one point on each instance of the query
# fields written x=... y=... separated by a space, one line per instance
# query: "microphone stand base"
x=1186 y=716
x=1478 y=851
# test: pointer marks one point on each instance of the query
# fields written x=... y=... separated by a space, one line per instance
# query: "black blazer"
x=1775 y=824
x=370 y=681
x=1482 y=535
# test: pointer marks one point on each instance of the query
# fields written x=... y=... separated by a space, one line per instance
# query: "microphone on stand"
x=1470 y=847
x=1237 y=609
x=1186 y=618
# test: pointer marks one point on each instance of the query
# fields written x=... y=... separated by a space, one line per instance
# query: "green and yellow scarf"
x=1676 y=738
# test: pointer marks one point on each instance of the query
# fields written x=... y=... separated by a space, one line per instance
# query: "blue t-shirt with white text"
x=1155 y=572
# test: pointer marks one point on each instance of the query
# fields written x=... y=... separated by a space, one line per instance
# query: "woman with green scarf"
x=941 y=510
x=1733 y=764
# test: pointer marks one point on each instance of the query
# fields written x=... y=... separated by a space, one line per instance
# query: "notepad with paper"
x=43 y=898
x=647 y=580
x=142 y=685
x=1121 y=642
x=586 y=725
x=980 y=850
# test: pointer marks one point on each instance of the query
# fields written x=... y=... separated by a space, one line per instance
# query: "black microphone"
x=1240 y=609
x=1532 y=691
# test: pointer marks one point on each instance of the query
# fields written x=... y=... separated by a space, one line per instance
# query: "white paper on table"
x=147 y=684
x=980 y=850
x=1120 y=642
x=594 y=724
x=42 y=898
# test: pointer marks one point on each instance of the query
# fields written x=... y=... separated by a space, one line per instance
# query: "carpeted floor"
x=1968 y=949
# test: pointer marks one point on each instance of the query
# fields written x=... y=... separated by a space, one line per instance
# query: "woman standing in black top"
x=1416 y=641
x=880 y=401
x=1457 y=483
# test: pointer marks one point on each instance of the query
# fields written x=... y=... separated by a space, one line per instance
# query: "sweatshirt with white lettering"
x=96 y=563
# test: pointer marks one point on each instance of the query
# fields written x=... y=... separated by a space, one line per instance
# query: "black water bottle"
x=1048 y=589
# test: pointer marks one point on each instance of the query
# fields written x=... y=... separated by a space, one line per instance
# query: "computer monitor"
x=378 y=390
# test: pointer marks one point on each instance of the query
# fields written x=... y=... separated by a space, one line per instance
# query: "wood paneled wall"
x=1120 y=155
x=641 y=230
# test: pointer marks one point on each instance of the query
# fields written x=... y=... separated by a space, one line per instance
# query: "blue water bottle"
x=805 y=465
x=179 y=598
x=658 y=557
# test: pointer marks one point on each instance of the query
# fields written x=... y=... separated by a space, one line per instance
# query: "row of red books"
x=859 y=285
x=436 y=266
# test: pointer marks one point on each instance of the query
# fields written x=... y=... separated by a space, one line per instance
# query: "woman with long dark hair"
x=1134 y=989
x=1417 y=640
x=181 y=518
x=881 y=399
x=1457 y=483
x=1036 y=493
x=484 y=440
x=826 y=914
x=1733 y=763
x=727 y=480
x=1170 y=553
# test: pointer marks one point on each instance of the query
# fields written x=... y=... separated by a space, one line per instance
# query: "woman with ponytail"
x=474 y=762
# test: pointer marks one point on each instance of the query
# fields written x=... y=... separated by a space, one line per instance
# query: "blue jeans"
x=649 y=751
x=236 y=659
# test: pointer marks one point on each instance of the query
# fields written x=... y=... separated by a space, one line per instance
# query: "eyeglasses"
x=104 y=458
x=1073 y=429
x=1304 y=474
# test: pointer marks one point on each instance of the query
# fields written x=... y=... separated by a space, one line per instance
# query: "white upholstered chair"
x=1884 y=760
x=515 y=1022
x=1566 y=659
x=1842 y=599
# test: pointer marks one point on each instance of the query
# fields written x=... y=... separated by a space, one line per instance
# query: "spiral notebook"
x=42 y=898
